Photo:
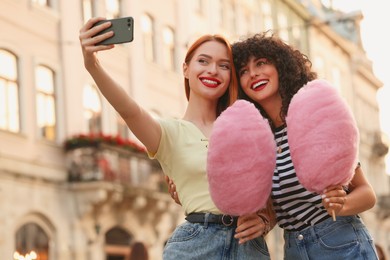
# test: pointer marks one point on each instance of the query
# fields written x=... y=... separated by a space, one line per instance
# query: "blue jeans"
x=199 y=241
x=343 y=239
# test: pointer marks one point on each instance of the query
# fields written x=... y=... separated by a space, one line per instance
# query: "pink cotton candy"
x=241 y=160
x=323 y=137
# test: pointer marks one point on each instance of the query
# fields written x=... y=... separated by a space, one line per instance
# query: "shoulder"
x=169 y=124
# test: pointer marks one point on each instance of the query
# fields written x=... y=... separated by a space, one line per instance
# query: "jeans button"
x=300 y=237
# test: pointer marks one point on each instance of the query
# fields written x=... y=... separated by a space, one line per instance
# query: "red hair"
x=231 y=94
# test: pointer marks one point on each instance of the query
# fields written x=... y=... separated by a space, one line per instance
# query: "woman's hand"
x=172 y=189
x=333 y=199
x=361 y=196
x=250 y=226
x=88 y=40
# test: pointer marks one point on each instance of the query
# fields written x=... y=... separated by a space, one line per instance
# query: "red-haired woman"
x=180 y=146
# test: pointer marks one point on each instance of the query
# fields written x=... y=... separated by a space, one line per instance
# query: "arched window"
x=169 y=48
x=118 y=243
x=92 y=109
x=147 y=26
x=46 y=102
x=31 y=243
x=9 y=92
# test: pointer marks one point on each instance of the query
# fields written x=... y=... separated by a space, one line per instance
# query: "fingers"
x=88 y=25
x=333 y=192
x=334 y=200
x=170 y=184
x=175 y=197
x=333 y=189
x=166 y=178
x=247 y=235
x=172 y=189
x=249 y=227
x=88 y=35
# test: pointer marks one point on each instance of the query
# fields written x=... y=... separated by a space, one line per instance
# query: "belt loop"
x=206 y=219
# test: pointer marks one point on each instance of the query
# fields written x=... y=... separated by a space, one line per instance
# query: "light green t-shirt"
x=182 y=154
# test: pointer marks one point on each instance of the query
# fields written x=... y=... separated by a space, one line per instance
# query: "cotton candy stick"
x=323 y=137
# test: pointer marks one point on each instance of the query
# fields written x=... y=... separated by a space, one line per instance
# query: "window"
x=113 y=8
x=228 y=19
x=9 y=92
x=42 y=2
x=46 y=104
x=231 y=17
x=336 y=78
x=198 y=6
x=147 y=27
x=169 y=48
x=92 y=109
x=283 y=27
x=88 y=10
x=267 y=14
x=319 y=66
x=117 y=244
x=31 y=243
x=297 y=37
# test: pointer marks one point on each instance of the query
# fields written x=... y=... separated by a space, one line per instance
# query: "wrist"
x=264 y=218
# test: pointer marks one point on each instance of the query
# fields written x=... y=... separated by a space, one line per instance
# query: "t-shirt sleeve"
x=164 y=151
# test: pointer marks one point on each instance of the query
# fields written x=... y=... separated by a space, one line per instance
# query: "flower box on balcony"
x=111 y=159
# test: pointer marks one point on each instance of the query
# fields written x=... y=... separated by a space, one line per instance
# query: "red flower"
x=93 y=139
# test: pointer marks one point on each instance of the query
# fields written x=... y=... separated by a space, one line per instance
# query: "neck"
x=273 y=109
x=202 y=115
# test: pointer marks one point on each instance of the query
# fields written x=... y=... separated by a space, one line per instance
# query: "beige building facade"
x=72 y=187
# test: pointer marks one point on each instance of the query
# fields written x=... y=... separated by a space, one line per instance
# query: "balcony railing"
x=109 y=172
x=110 y=159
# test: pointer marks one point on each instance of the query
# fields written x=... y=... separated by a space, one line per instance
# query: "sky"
x=376 y=42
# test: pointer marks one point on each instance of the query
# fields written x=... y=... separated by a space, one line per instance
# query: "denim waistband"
x=312 y=233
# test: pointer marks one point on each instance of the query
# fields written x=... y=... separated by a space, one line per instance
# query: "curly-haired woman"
x=270 y=73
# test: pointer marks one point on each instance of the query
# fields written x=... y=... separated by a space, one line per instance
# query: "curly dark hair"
x=293 y=67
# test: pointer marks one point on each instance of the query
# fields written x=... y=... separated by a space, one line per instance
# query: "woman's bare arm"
x=140 y=122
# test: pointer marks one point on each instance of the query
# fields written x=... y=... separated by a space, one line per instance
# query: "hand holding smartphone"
x=123 y=30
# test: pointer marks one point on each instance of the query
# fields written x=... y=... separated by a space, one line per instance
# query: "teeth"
x=258 y=84
x=210 y=81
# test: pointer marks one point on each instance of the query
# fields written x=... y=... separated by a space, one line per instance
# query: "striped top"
x=296 y=208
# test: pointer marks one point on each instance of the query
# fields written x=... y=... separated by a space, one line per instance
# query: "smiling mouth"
x=259 y=84
x=210 y=82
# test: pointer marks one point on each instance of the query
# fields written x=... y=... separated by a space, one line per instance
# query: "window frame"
x=9 y=83
x=53 y=96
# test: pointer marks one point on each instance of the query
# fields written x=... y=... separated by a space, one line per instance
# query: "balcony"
x=108 y=170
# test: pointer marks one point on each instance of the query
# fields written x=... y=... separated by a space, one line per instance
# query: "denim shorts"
x=199 y=241
x=343 y=239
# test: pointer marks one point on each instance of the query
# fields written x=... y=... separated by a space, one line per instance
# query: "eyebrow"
x=210 y=57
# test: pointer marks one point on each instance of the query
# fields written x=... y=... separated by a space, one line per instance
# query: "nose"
x=253 y=72
x=212 y=68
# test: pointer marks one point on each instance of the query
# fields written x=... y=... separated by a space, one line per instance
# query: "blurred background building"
x=74 y=183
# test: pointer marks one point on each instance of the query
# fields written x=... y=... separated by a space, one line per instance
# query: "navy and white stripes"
x=296 y=208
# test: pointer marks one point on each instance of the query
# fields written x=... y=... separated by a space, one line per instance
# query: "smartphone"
x=123 y=30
